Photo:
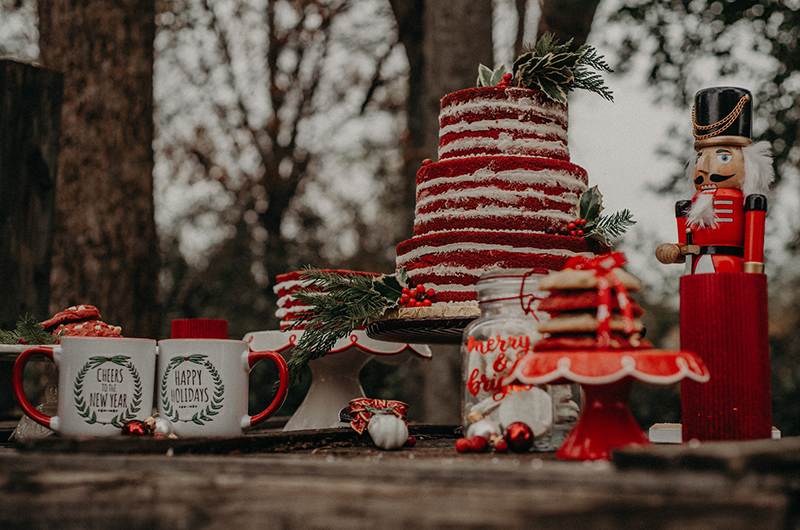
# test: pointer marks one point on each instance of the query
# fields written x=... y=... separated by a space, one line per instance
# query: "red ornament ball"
x=519 y=437
x=135 y=428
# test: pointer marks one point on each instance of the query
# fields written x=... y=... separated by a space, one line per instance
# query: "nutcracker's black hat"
x=722 y=116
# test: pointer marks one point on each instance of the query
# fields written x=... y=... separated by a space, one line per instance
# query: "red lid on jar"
x=199 y=328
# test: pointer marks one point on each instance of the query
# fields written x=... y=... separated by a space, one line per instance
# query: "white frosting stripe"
x=540 y=129
x=494 y=211
x=506 y=146
x=508 y=196
x=458 y=248
x=483 y=105
x=527 y=177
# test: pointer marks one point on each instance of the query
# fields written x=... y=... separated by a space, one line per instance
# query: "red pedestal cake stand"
x=606 y=377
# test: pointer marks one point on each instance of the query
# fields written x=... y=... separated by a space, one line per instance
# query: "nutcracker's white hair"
x=758 y=170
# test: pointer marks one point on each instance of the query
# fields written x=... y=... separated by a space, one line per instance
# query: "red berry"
x=572 y=232
x=501 y=446
x=411 y=442
x=429 y=293
x=580 y=233
x=412 y=303
x=420 y=288
x=571 y=226
x=462 y=445
x=404 y=298
x=508 y=76
x=426 y=302
x=478 y=443
x=405 y=290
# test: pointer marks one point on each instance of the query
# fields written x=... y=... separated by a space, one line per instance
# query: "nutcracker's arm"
x=671 y=253
x=755 y=211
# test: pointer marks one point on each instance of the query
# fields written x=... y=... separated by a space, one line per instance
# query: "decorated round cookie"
x=78 y=313
x=89 y=328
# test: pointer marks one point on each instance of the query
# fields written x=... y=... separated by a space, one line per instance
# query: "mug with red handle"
x=102 y=384
x=203 y=380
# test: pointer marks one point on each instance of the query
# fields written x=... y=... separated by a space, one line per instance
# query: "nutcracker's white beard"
x=701 y=213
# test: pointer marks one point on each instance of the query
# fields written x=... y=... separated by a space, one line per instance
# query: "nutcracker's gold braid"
x=723 y=123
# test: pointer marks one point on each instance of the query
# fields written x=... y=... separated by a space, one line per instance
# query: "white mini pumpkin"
x=387 y=431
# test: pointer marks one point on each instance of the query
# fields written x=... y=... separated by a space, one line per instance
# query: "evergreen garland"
x=340 y=303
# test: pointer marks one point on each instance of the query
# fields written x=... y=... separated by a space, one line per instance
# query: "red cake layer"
x=428 y=260
x=498 y=193
x=454 y=169
x=538 y=101
x=502 y=121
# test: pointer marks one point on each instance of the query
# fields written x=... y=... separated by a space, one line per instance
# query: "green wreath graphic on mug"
x=85 y=408
x=215 y=403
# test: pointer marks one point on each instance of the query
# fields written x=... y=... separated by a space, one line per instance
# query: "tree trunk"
x=30 y=113
x=105 y=249
x=568 y=19
x=445 y=42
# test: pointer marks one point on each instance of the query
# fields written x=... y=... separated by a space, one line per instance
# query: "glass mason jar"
x=491 y=346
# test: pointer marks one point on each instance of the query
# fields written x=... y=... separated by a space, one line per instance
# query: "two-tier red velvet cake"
x=500 y=196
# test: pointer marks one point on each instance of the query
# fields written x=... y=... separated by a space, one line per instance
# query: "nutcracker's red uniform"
x=737 y=238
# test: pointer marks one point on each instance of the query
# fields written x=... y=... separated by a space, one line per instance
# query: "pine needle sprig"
x=614 y=225
x=28 y=331
x=555 y=70
x=598 y=226
x=9 y=337
x=339 y=304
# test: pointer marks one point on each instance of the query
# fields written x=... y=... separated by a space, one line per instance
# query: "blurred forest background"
x=210 y=145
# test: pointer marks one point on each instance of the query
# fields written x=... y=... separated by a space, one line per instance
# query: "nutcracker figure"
x=724 y=291
x=722 y=228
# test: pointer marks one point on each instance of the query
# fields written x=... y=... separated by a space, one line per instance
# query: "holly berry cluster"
x=518 y=438
x=506 y=79
x=416 y=296
x=480 y=444
x=576 y=227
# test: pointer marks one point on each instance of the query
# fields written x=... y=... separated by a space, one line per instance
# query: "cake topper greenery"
x=554 y=69
x=28 y=331
x=341 y=303
x=592 y=225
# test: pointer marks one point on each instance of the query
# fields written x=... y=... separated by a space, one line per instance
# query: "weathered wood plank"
x=355 y=487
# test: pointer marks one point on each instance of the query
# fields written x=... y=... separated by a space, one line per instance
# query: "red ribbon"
x=607 y=281
x=361 y=410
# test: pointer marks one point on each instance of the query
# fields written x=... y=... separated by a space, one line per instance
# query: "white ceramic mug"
x=203 y=386
x=102 y=384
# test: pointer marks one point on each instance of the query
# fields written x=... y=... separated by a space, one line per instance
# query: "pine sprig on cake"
x=555 y=70
x=591 y=224
x=340 y=303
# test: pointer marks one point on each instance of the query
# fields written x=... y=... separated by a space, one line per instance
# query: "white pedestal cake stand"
x=335 y=376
